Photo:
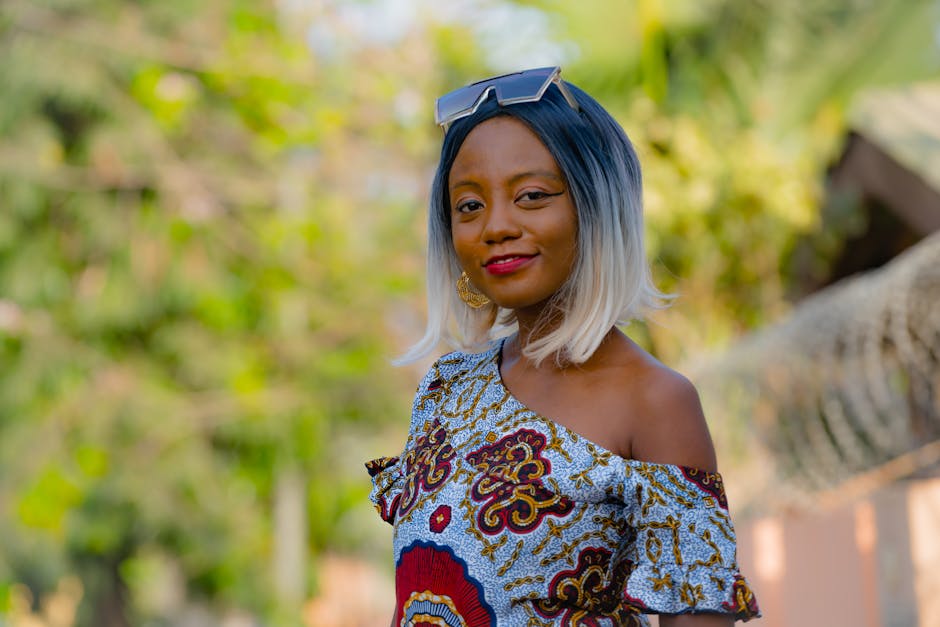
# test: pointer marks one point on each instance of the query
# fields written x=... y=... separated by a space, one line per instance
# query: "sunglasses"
x=525 y=86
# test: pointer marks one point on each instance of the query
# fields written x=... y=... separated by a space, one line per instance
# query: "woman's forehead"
x=502 y=147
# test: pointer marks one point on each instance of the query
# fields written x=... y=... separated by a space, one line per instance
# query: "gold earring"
x=470 y=294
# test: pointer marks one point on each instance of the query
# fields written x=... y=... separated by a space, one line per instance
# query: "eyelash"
x=462 y=207
x=532 y=196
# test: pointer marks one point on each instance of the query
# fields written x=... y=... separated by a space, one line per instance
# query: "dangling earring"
x=470 y=294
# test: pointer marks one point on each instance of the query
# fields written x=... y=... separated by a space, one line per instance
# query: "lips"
x=504 y=264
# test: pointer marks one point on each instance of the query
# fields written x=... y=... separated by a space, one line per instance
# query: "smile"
x=507 y=264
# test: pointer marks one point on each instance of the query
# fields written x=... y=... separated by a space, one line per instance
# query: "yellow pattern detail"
x=661 y=583
x=512 y=559
x=521 y=581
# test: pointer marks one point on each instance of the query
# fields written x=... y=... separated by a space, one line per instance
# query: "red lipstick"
x=507 y=263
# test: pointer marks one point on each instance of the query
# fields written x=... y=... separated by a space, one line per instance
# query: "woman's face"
x=513 y=222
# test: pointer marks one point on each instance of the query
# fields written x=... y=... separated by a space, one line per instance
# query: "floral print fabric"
x=503 y=517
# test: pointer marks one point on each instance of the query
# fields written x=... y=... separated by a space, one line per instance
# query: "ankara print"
x=503 y=517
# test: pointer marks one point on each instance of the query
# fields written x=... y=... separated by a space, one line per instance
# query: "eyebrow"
x=513 y=179
x=545 y=173
x=467 y=183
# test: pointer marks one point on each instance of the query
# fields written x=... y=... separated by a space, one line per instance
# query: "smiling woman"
x=609 y=281
x=513 y=224
x=558 y=474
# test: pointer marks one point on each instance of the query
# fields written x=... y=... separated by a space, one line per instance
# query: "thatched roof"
x=846 y=390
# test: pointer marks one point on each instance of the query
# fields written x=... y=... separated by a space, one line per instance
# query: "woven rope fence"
x=845 y=393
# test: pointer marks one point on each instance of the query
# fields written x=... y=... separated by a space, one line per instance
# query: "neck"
x=530 y=331
x=534 y=326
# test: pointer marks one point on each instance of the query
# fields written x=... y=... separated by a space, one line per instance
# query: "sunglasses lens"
x=523 y=86
x=527 y=86
x=457 y=102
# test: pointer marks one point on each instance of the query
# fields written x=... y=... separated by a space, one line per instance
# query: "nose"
x=501 y=222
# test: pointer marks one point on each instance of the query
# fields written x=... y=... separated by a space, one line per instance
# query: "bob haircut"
x=610 y=281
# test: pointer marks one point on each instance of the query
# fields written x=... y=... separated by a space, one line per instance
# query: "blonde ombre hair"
x=610 y=281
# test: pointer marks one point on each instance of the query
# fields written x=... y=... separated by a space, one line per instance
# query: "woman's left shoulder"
x=669 y=425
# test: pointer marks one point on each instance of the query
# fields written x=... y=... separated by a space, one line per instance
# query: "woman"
x=559 y=475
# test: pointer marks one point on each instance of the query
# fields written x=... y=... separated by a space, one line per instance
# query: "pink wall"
x=869 y=563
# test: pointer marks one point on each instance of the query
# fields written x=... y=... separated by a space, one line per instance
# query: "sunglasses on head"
x=524 y=86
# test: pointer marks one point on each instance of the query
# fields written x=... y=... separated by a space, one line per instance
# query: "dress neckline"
x=495 y=363
x=495 y=360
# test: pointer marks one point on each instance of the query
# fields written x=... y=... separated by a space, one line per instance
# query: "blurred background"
x=212 y=244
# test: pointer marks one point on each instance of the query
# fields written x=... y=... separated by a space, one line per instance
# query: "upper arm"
x=670 y=427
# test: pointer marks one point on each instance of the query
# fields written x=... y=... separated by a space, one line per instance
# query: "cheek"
x=462 y=245
x=567 y=238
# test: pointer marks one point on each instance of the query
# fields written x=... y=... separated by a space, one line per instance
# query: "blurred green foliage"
x=210 y=243
x=191 y=294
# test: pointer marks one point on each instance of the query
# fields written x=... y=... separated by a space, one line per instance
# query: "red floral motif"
x=509 y=484
x=440 y=518
x=744 y=603
x=433 y=587
x=427 y=465
x=582 y=595
x=709 y=482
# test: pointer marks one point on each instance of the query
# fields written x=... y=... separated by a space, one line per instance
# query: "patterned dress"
x=504 y=517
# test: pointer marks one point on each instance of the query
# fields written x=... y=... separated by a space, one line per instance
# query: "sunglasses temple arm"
x=569 y=97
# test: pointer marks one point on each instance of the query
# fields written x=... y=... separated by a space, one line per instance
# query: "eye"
x=535 y=196
x=467 y=206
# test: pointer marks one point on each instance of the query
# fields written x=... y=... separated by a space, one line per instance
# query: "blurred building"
x=839 y=404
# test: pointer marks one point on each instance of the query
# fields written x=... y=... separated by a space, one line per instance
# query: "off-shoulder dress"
x=504 y=517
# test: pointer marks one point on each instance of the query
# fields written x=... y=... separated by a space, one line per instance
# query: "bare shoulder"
x=652 y=413
x=668 y=424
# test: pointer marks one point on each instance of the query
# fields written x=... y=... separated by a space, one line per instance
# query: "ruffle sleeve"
x=388 y=473
x=388 y=481
x=685 y=551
